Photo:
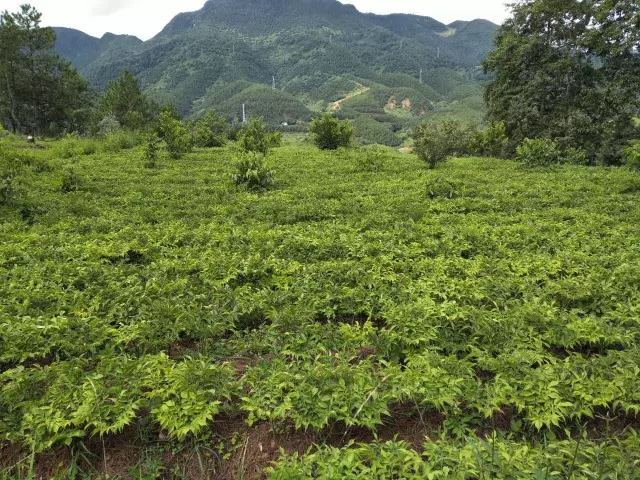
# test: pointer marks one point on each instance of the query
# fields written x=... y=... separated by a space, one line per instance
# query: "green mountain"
x=323 y=55
x=84 y=50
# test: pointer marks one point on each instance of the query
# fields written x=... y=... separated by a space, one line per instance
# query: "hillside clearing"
x=359 y=91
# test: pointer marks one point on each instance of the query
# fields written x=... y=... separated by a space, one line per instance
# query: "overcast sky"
x=145 y=18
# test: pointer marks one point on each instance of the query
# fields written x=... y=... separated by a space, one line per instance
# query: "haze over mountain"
x=319 y=51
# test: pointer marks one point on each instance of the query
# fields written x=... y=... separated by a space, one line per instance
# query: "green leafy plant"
x=632 y=155
x=9 y=177
x=538 y=152
x=211 y=131
x=119 y=140
x=70 y=181
x=372 y=158
x=434 y=143
x=151 y=148
x=329 y=133
x=442 y=188
x=176 y=136
x=108 y=125
x=252 y=171
x=254 y=137
x=492 y=142
x=488 y=306
x=69 y=146
x=575 y=156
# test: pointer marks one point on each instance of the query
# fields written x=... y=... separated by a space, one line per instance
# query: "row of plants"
x=434 y=143
x=471 y=457
x=169 y=298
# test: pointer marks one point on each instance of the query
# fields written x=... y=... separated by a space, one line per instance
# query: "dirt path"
x=359 y=91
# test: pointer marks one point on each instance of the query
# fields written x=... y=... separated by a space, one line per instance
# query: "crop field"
x=477 y=321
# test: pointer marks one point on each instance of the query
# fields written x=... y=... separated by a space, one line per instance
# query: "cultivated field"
x=384 y=321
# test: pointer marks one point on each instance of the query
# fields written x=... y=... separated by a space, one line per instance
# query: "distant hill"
x=319 y=51
x=84 y=50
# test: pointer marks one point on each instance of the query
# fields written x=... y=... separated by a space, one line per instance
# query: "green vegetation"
x=487 y=306
x=211 y=131
x=151 y=150
x=329 y=133
x=253 y=171
x=544 y=152
x=632 y=155
x=227 y=54
x=492 y=142
x=576 y=81
x=434 y=143
x=40 y=94
x=124 y=102
x=169 y=310
x=176 y=135
x=255 y=138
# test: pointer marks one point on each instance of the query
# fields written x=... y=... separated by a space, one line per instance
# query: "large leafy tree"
x=568 y=69
x=124 y=100
x=39 y=92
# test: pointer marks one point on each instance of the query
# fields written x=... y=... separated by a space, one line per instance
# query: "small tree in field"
x=254 y=137
x=329 y=133
x=150 y=150
x=176 y=136
x=492 y=142
x=211 y=130
x=434 y=143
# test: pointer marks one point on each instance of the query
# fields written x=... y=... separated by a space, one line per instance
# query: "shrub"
x=108 y=125
x=253 y=171
x=538 y=152
x=492 y=142
x=121 y=140
x=372 y=158
x=329 y=133
x=41 y=166
x=543 y=152
x=575 y=156
x=234 y=130
x=150 y=150
x=133 y=120
x=211 y=131
x=632 y=156
x=176 y=136
x=441 y=188
x=434 y=143
x=70 y=182
x=9 y=171
x=68 y=147
x=254 y=137
x=72 y=146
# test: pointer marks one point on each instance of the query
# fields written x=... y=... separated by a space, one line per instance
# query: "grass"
x=496 y=315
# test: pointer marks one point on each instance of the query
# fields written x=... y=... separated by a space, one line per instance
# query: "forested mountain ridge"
x=317 y=50
x=82 y=49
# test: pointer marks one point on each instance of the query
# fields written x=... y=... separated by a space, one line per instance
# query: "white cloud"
x=145 y=18
x=108 y=7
